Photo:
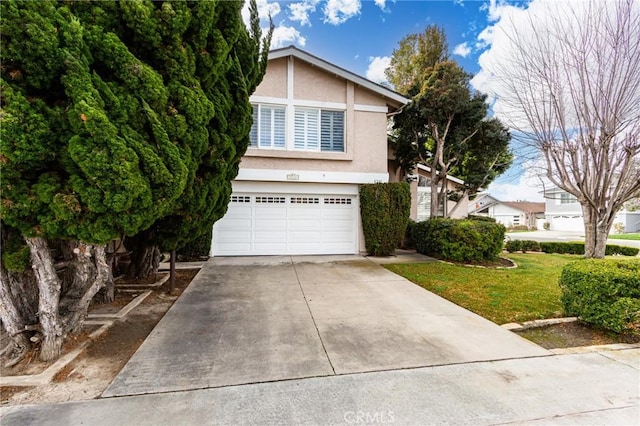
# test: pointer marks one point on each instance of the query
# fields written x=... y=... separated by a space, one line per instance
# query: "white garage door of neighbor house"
x=567 y=223
x=283 y=224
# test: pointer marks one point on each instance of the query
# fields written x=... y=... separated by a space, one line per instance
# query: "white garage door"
x=571 y=223
x=275 y=224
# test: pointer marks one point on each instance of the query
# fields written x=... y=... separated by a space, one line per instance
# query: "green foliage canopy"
x=117 y=114
x=446 y=115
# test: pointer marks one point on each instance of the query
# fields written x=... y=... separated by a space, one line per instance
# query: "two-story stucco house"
x=319 y=133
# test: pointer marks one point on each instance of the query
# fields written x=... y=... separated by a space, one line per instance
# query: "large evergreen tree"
x=113 y=115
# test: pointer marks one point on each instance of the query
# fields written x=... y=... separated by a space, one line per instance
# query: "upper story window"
x=313 y=129
x=319 y=130
x=269 y=126
x=566 y=198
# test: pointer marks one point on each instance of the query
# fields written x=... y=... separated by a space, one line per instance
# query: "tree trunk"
x=91 y=274
x=17 y=313
x=435 y=199
x=597 y=228
x=107 y=294
x=145 y=256
x=458 y=204
x=49 y=286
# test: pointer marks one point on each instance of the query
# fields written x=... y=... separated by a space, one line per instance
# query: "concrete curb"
x=514 y=326
x=136 y=287
x=595 y=348
x=124 y=311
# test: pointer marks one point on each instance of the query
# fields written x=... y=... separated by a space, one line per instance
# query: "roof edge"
x=284 y=52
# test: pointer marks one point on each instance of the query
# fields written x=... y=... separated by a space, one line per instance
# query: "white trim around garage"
x=310 y=176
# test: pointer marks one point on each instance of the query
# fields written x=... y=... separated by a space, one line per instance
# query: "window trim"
x=290 y=123
x=258 y=123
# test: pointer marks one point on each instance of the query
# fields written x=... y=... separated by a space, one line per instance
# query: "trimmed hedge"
x=578 y=248
x=603 y=292
x=384 y=209
x=522 y=245
x=481 y=218
x=459 y=240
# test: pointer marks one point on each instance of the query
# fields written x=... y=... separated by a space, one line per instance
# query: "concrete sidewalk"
x=584 y=389
x=341 y=340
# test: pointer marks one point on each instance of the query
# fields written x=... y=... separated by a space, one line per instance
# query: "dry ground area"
x=90 y=374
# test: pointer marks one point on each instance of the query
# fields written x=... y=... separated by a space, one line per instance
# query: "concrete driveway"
x=340 y=340
x=253 y=320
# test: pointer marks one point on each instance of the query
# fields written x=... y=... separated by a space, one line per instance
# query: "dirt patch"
x=90 y=374
x=573 y=334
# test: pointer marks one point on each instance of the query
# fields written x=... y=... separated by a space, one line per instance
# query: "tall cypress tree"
x=112 y=113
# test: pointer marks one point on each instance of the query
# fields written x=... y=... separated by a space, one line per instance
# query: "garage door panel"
x=234 y=236
x=305 y=236
x=271 y=224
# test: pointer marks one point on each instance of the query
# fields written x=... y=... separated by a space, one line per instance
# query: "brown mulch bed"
x=573 y=334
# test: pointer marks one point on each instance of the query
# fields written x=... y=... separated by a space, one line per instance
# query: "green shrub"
x=519 y=228
x=513 y=246
x=200 y=247
x=530 y=245
x=481 y=218
x=459 y=240
x=546 y=226
x=385 y=209
x=524 y=246
x=578 y=248
x=613 y=249
x=603 y=292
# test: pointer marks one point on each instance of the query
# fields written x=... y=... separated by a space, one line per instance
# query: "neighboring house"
x=319 y=133
x=421 y=196
x=420 y=184
x=509 y=213
x=563 y=213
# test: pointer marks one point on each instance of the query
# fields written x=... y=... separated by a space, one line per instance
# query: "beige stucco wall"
x=366 y=97
x=274 y=82
x=365 y=132
x=311 y=83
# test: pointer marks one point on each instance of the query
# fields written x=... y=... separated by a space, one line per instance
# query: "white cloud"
x=462 y=49
x=520 y=191
x=265 y=9
x=502 y=66
x=337 y=12
x=377 y=65
x=285 y=36
x=300 y=11
x=382 y=4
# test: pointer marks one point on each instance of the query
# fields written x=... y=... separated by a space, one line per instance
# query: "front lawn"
x=501 y=295
x=634 y=237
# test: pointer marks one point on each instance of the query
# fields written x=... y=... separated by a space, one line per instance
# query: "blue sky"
x=360 y=36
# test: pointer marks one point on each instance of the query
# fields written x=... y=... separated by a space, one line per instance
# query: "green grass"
x=634 y=237
x=501 y=295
